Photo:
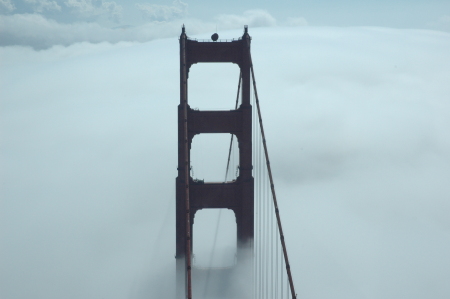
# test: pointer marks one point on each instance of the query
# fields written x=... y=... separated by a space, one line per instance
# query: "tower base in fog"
x=234 y=282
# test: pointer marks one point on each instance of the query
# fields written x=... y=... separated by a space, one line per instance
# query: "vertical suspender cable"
x=256 y=238
x=256 y=211
x=271 y=251
x=261 y=218
x=260 y=198
x=276 y=264
x=283 y=244
x=259 y=209
x=282 y=274
x=267 y=231
x=257 y=226
x=263 y=200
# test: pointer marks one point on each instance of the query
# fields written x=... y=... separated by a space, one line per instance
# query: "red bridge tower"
x=192 y=196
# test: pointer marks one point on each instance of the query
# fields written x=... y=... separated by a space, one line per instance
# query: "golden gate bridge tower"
x=252 y=256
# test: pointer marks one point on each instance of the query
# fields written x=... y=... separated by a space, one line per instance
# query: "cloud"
x=296 y=22
x=42 y=5
x=442 y=23
x=113 y=10
x=162 y=13
x=6 y=5
x=39 y=32
x=253 y=18
x=95 y=8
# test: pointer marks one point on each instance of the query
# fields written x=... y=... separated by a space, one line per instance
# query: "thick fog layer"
x=358 y=128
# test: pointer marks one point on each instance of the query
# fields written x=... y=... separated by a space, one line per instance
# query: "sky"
x=44 y=23
x=356 y=112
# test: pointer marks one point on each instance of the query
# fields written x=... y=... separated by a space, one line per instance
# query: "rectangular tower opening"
x=215 y=238
x=209 y=157
x=213 y=86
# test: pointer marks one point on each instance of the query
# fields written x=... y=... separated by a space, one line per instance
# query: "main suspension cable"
x=272 y=187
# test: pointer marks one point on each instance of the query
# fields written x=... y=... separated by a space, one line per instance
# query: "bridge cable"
x=259 y=208
x=225 y=180
x=263 y=215
x=232 y=136
x=257 y=214
x=263 y=226
x=266 y=228
x=258 y=203
x=272 y=187
x=272 y=242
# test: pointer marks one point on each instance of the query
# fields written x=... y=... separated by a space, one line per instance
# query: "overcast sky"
x=357 y=121
x=402 y=13
x=43 y=23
